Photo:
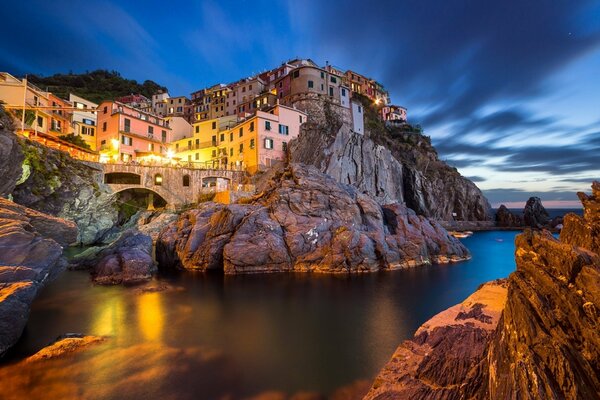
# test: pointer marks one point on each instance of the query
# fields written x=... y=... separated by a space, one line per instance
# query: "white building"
x=159 y=103
x=358 y=117
x=84 y=119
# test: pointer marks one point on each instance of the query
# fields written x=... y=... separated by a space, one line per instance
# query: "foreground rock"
x=305 y=221
x=30 y=254
x=127 y=260
x=63 y=345
x=11 y=157
x=546 y=344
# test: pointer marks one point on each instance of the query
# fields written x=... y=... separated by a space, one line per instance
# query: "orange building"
x=126 y=134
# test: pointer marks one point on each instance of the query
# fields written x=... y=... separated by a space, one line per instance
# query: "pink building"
x=126 y=133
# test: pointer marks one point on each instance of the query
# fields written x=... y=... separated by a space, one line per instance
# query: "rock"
x=506 y=219
x=64 y=344
x=11 y=159
x=27 y=260
x=127 y=261
x=56 y=184
x=534 y=213
x=390 y=170
x=445 y=351
x=546 y=343
x=305 y=221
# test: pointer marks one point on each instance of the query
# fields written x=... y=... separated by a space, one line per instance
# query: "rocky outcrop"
x=506 y=219
x=30 y=255
x=391 y=167
x=54 y=183
x=11 y=157
x=128 y=260
x=534 y=213
x=305 y=221
x=546 y=344
x=445 y=351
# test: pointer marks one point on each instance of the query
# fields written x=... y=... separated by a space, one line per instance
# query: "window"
x=268 y=143
x=252 y=126
x=127 y=127
x=176 y=147
x=249 y=87
x=105 y=109
x=222 y=137
x=331 y=91
x=189 y=144
x=333 y=79
x=284 y=129
x=251 y=143
x=150 y=131
x=241 y=131
x=359 y=109
x=231 y=136
x=322 y=87
x=300 y=118
x=296 y=74
x=310 y=84
x=197 y=143
x=163 y=135
x=126 y=140
x=322 y=75
x=186 y=180
x=197 y=156
x=214 y=125
x=150 y=146
x=231 y=152
x=244 y=89
x=267 y=125
x=241 y=148
x=102 y=143
x=158 y=179
x=214 y=153
x=40 y=121
x=343 y=92
x=284 y=146
x=214 y=140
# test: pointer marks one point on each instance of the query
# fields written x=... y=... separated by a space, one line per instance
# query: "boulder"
x=534 y=213
x=305 y=221
x=30 y=255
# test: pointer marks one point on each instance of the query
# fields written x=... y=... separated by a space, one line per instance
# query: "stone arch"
x=122 y=178
x=153 y=197
x=216 y=182
x=186 y=180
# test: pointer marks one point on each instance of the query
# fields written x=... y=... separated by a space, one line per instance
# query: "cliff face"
x=30 y=254
x=546 y=343
x=51 y=182
x=391 y=166
x=304 y=221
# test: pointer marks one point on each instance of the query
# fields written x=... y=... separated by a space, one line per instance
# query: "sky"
x=509 y=91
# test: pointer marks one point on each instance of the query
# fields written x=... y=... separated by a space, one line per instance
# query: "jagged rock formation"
x=546 y=344
x=506 y=219
x=10 y=157
x=30 y=254
x=51 y=182
x=534 y=213
x=391 y=166
x=304 y=221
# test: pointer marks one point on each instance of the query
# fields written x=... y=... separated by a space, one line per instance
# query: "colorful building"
x=393 y=113
x=126 y=133
x=83 y=119
x=60 y=116
x=159 y=103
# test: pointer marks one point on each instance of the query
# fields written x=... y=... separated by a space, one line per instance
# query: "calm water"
x=212 y=335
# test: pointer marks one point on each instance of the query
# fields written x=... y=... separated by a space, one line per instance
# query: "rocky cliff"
x=50 y=181
x=545 y=343
x=304 y=221
x=30 y=254
x=390 y=164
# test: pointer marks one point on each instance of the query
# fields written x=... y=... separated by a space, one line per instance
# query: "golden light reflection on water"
x=109 y=317
x=150 y=316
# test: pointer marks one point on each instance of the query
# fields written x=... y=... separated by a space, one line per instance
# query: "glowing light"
x=150 y=316
x=170 y=154
x=115 y=144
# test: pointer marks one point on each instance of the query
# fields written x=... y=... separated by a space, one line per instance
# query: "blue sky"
x=509 y=91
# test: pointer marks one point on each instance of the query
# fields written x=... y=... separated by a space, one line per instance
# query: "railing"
x=189 y=165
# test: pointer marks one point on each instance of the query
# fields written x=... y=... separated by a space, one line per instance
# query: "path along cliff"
x=534 y=336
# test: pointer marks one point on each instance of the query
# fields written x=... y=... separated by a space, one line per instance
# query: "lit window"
x=268 y=143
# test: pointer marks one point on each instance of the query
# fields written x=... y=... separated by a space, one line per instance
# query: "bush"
x=76 y=140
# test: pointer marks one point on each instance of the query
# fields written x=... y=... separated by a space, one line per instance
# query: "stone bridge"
x=177 y=186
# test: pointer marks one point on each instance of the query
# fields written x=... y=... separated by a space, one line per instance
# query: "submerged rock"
x=305 y=221
x=546 y=344
x=30 y=255
x=63 y=345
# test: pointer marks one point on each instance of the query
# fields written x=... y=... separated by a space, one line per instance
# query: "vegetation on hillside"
x=95 y=86
x=76 y=140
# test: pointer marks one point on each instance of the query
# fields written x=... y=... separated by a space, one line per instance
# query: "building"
x=126 y=133
x=366 y=86
x=83 y=119
x=60 y=116
x=159 y=103
x=240 y=98
x=393 y=113
x=358 y=117
x=200 y=105
x=15 y=93
x=180 y=128
x=179 y=107
x=309 y=81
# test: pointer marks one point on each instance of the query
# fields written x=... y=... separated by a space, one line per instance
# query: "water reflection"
x=238 y=336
